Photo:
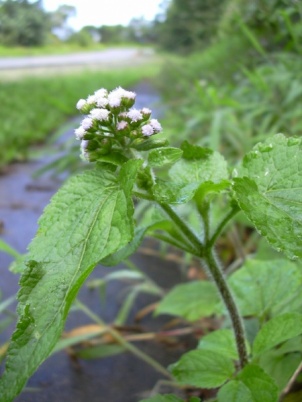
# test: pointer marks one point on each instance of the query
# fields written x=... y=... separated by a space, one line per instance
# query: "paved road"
x=105 y=57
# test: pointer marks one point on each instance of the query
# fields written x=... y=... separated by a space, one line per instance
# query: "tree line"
x=182 y=26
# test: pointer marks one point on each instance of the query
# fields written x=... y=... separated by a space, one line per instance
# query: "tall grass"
x=31 y=108
x=227 y=101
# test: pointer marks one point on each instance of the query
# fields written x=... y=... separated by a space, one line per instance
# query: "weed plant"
x=32 y=108
x=255 y=354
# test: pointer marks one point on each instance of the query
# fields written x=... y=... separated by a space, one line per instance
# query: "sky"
x=106 y=12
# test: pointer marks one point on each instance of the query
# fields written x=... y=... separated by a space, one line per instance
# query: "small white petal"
x=122 y=125
x=156 y=125
x=134 y=115
x=80 y=104
x=114 y=101
x=147 y=130
x=100 y=114
x=101 y=101
x=91 y=99
x=101 y=92
x=87 y=123
x=79 y=133
x=145 y=110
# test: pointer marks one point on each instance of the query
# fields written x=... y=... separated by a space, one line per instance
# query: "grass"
x=60 y=48
x=33 y=108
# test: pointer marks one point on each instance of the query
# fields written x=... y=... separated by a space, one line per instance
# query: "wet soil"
x=121 y=378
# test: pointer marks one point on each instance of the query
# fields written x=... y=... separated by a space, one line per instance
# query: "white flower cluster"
x=111 y=115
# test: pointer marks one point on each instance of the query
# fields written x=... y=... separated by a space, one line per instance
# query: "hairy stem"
x=214 y=267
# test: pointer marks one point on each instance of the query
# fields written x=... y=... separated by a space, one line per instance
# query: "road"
x=105 y=57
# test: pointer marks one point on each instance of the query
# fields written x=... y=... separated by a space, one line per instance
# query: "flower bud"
x=146 y=113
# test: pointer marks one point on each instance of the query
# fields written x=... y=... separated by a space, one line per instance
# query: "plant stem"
x=214 y=267
x=203 y=210
x=291 y=382
x=184 y=228
x=222 y=224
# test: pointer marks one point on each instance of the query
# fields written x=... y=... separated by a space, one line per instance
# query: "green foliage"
x=31 y=108
x=61 y=258
x=164 y=156
x=221 y=341
x=188 y=25
x=203 y=369
x=261 y=288
x=276 y=331
x=91 y=220
x=191 y=301
x=253 y=385
x=268 y=191
x=23 y=23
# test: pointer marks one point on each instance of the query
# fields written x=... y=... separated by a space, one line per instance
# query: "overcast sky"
x=106 y=12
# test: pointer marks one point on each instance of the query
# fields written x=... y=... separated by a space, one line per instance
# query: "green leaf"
x=173 y=193
x=203 y=369
x=208 y=188
x=277 y=330
x=280 y=367
x=9 y=250
x=261 y=287
x=191 y=152
x=269 y=191
x=213 y=168
x=260 y=384
x=142 y=144
x=114 y=157
x=191 y=301
x=163 y=398
x=163 y=156
x=221 y=341
x=125 y=252
x=89 y=218
x=235 y=391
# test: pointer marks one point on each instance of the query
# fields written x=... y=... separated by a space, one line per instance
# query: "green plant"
x=32 y=110
x=90 y=220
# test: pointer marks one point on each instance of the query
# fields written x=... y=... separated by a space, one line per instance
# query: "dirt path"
x=109 y=58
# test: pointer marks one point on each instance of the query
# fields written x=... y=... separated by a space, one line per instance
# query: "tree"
x=188 y=25
x=23 y=23
x=59 y=20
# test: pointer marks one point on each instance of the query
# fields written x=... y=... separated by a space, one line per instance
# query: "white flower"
x=84 y=151
x=79 y=133
x=147 y=130
x=145 y=110
x=129 y=95
x=81 y=103
x=100 y=93
x=101 y=101
x=91 y=99
x=122 y=125
x=84 y=145
x=114 y=101
x=87 y=123
x=134 y=115
x=100 y=114
x=122 y=93
x=156 y=125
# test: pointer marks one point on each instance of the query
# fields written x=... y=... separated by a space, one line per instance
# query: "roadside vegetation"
x=226 y=196
x=33 y=107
